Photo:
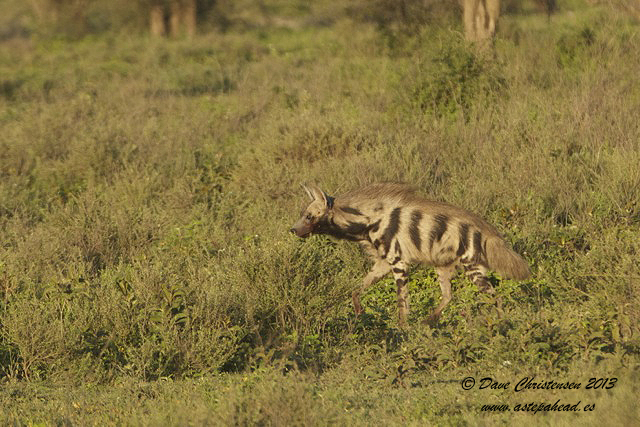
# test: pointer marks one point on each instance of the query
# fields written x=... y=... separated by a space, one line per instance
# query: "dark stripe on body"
x=356 y=228
x=438 y=229
x=391 y=230
x=352 y=211
x=477 y=245
x=414 y=230
x=464 y=239
x=398 y=251
x=353 y=231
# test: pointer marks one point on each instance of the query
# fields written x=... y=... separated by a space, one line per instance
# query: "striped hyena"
x=396 y=227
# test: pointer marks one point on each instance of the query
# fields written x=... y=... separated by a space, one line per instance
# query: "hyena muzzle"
x=397 y=228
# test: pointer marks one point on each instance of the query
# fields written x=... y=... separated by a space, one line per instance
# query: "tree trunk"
x=156 y=18
x=189 y=17
x=174 y=18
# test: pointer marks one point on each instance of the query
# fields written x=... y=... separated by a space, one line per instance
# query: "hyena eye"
x=309 y=217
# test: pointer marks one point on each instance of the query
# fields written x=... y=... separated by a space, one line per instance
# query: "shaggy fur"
x=397 y=228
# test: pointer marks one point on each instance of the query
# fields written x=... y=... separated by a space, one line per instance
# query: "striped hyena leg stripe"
x=477 y=273
x=400 y=275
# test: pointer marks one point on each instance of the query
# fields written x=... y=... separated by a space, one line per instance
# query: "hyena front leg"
x=380 y=269
x=400 y=275
x=444 y=277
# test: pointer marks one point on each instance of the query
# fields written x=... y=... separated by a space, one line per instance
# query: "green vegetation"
x=147 y=275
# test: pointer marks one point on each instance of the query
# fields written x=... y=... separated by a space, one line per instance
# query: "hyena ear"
x=316 y=193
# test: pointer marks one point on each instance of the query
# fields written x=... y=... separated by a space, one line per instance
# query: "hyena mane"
x=397 y=227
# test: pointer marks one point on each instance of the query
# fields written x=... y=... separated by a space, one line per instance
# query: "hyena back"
x=397 y=228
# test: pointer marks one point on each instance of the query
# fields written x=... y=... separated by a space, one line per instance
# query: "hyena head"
x=313 y=214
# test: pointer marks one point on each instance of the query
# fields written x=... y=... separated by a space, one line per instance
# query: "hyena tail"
x=504 y=260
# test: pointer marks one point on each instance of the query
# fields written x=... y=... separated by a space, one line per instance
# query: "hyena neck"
x=330 y=227
x=330 y=202
x=346 y=222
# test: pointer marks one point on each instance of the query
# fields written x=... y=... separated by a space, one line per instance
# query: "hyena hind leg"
x=380 y=269
x=444 y=277
x=478 y=275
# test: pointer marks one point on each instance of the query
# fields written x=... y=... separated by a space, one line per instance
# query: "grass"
x=146 y=188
